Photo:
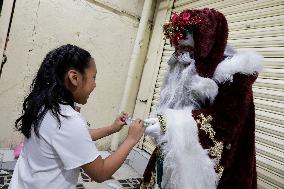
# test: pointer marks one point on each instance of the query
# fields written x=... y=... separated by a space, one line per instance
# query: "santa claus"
x=204 y=124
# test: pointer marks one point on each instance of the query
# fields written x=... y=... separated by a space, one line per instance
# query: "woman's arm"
x=117 y=125
x=102 y=169
x=101 y=132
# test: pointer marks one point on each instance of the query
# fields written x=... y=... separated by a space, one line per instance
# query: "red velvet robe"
x=228 y=124
x=233 y=121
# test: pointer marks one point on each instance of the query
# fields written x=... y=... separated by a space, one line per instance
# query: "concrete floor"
x=128 y=176
x=125 y=177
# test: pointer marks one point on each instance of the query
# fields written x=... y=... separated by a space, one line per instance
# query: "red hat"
x=180 y=26
x=210 y=33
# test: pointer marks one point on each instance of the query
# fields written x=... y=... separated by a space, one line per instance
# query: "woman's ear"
x=73 y=77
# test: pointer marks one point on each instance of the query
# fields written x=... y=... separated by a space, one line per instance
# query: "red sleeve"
x=221 y=123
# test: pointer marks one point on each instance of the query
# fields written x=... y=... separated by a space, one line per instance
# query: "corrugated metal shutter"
x=258 y=26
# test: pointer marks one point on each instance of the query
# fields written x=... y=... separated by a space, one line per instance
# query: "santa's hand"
x=150 y=121
x=153 y=129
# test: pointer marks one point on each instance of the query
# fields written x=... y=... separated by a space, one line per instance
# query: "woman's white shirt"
x=53 y=160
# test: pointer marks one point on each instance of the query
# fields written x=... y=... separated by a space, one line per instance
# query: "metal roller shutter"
x=258 y=26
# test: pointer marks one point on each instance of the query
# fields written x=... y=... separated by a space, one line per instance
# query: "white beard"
x=176 y=91
x=186 y=164
x=183 y=87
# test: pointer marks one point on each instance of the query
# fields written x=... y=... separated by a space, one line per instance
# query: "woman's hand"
x=119 y=122
x=136 y=131
x=102 y=169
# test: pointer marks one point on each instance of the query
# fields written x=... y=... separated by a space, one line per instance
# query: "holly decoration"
x=179 y=26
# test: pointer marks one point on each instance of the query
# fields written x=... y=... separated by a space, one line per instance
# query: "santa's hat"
x=207 y=29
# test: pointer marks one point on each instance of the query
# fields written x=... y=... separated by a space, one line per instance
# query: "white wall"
x=106 y=28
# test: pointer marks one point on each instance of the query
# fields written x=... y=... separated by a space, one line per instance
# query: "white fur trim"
x=186 y=163
x=204 y=88
x=246 y=63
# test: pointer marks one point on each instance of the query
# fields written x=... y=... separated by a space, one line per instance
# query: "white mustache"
x=183 y=58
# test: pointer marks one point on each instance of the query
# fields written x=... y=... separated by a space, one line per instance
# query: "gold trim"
x=206 y=126
x=162 y=123
x=220 y=170
x=216 y=150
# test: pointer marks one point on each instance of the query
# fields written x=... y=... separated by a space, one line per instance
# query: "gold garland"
x=162 y=123
x=216 y=150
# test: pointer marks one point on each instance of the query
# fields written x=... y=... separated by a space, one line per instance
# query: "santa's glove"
x=204 y=89
x=153 y=128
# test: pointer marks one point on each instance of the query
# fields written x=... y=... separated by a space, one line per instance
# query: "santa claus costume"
x=205 y=123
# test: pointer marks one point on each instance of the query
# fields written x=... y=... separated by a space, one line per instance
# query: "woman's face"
x=81 y=85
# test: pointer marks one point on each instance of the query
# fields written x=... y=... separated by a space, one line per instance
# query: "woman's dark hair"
x=48 y=89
